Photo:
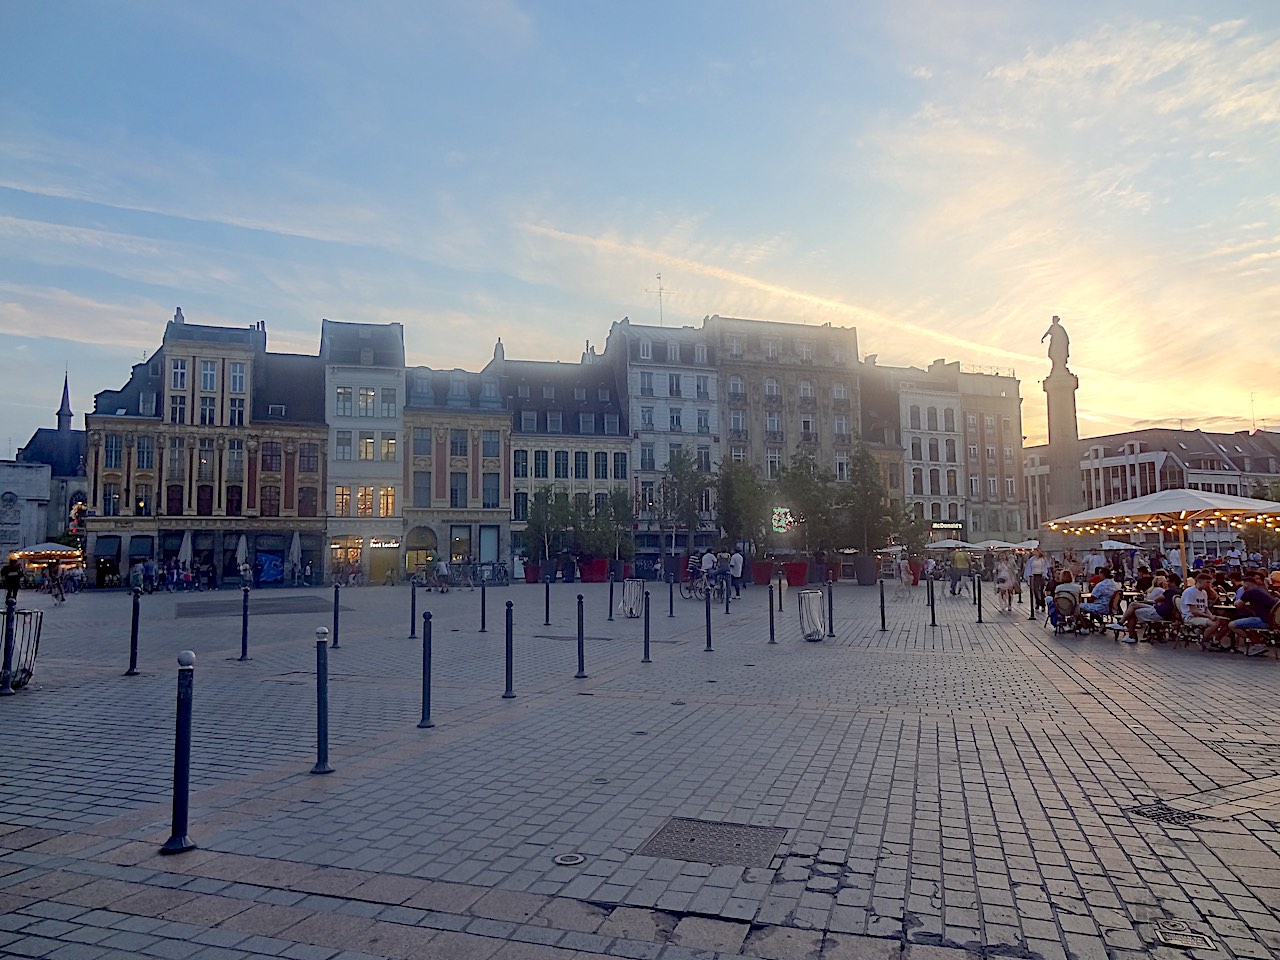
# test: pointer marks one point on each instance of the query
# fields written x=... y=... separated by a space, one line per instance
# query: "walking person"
x=1037 y=569
x=735 y=571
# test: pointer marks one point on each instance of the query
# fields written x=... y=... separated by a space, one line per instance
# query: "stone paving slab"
x=948 y=791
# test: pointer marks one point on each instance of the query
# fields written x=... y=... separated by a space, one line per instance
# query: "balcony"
x=808 y=436
x=843 y=439
x=773 y=436
x=738 y=435
x=808 y=403
x=646 y=391
x=647 y=464
x=704 y=394
x=704 y=428
x=772 y=400
x=738 y=398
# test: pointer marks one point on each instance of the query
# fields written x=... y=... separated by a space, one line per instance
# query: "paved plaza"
x=935 y=792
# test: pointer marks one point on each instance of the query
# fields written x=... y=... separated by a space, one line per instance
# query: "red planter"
x=532 y=572
x=594 y=571
x=796 y=572
x=628 y=571
x=833 y=571
x=762 y=572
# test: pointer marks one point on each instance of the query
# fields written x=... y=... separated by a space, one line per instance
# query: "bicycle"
x=716 y=586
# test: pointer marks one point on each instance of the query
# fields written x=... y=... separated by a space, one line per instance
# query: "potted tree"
x=866 y=513
x=742 y=509
x=808 y=491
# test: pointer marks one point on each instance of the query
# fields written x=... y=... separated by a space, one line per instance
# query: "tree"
x=608 y=531
x=678 y=495
x=865 y=502
x=550 y=517
x=808 y=491
x=742 y=503
x=912 y=531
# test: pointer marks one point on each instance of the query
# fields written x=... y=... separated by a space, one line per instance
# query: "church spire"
x=64 y=412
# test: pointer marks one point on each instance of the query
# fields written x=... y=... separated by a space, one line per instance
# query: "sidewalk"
x=934 y=792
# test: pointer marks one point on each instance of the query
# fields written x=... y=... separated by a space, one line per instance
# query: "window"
x=931 y=418
x=841 y=425
x=489 y=491
x=704 y=459
x=806 y=389
x=581 y=465
x=602 y=465
x=601 y=501
x=529 y=421
x=555 y=421
x=177 y=467
x=365 y=451
x=916 y=449
x=235 y=416
x=770 y=387
x=992 y=491
x=646 y=384
x=646 y=495
x=737 y=420
x=935 y=511
x=735 y=346
x=975 y=520
x=973 y=451
x=235 y=500
x=366 y=402
x=646 y=418
x=342 y=445
x=673 y=385
x=389 y=447
x=142 y=500
x=895 y=476
x=389 y=401
x=208 y=376
x=237 y=377
x=364 y=501
x=1006 y=424
x=839 y=392
x=951 y=451
x=342 y=402
x=805 y=350
x=520 y=464
x=676 y=415
x=772 y=422
x=422 y=488
x=948 y=419
x=704 y=421
x=973 y=486
x=458 y=490
x=146 y=404
x=276 y=410
x=673 y=353
x=842 y=466
x=611 y=424
x=1010 y=487
x=490 y=443
x=702 y=384
x=522 y=391
x=917 y=480
x=619 y=466
x=953 y=484
x=647 y=461
x=146 y=453
x=540 y=464
x=1008 y=454
x=603 y=394
x=991 y=452
x=699 y=353
x=971 y=421
x=935 y=482
x=562 y=464
x=646 y=350
x=422 y=441
x=736 y=388
x=457 y=386
x=308 y=502
x=548 y=393
x=177 y=409
x=739 y=454
x=204 y=460
x=771 y=349
x=581 y=502
x=808 y=426
x=773 y=463
x=933 y=449
x=111 y=499
x=586 y=423
x=580 y=393
x=386 y=501
x=520 y=509
x=270 y=501
x=271 y=457
x=457 y=443
x=489 y=389
x=308 y=458
x=913 y=417
x=235 y=460
x=173 y=500
x=953 y=511
x=178 y=375
x=989 y=422
x=111 y=451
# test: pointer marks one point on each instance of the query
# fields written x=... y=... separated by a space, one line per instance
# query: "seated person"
x=1145 y=580
x=1195 y=605
x=1100 y=601
x=1067 y=584
x=1257 y=602
x=1155 y=607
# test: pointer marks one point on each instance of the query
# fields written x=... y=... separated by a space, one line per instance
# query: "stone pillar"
x=1064 y=495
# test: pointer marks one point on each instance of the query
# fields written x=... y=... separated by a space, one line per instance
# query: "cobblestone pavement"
x=965 y=789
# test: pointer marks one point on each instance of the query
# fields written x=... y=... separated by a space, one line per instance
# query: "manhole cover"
x=569 y=859
x=719 y=844
x=1163 y=813
x=1179 y=933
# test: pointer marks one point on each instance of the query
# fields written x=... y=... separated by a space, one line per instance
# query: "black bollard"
x=322 y=703
x=977 y=592
x=671 y=595
x=974 y=598
x=646 y=629
x=413 y=609
x=336 y=590
x=831 y=612
x=726 y=594
x=708 y=598
x=10 y=626
x=610 y=596
x=771 y=637
x=244 y=626
x=883 y=626
x=508 y=694
x=933 y=605
x=133 y=633
x=425 y=723
x=178 y=841
x=484 y=608
x=582 y=646
x=779 y=591
x=546 y=583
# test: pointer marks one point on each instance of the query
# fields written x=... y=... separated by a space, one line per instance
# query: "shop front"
x=384 y=559
x=106 y=559
x=346 y=556
x=474 y=543
x=421 y=549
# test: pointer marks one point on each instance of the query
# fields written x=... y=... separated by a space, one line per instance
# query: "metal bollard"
x=646 y=629
x=484 y=608
x=133 y=633
x=708 y=598
x=178 y=841
x=883 y=626
x=779 y=591
x=546 y=583
x=725 y=581
x=244 y=626
x=336 y=589
x=974 y=599
x=611 y=596
x=933 y=605
x=413 y=609
x=425 y=723
x=831 y=612
x=10 y=626
x=771 y=637
x=508 y=694
x=978 y=597
x=671 y=594
x=582 y=646
x=322 y=703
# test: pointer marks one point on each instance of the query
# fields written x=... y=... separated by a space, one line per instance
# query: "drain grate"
x=1179 y=933
x=1163 y=813
x=710 y=841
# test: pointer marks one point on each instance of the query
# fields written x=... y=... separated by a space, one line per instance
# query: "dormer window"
x=646 y=350
x=522 y=391
x=275 y=410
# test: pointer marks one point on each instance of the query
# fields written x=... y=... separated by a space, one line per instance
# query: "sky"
x=945 y=177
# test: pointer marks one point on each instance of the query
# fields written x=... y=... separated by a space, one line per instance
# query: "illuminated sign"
x=376 y=542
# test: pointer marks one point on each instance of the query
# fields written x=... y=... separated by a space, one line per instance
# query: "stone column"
x=1065 y=495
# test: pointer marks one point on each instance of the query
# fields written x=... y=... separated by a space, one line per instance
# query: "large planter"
x=532 y=572
x=796 y=572
x=594 y=571
x=865 y=570
x=762 y=572
x=833 y=571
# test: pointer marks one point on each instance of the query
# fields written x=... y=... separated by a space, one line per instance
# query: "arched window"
x=953 y=511
x=933 y=420
x=951 y=449
x=953 y=484
x=919 y=508
x=917 y=481
x=915 y=449
x=770 y=387
x=935 y=511
x=204 y=500
x=915 y=417
x=933 y=449
x=735 y=385
x=935 y=483
x=173 y=500
x=948 y=419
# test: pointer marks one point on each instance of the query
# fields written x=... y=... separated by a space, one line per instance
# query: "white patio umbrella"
x=1027 y=545
x=184 y=551
x=1118 y=545
x=994 y=545
x=948 y=545
x=295 y=550
x=1172 y=511
x=242 y=550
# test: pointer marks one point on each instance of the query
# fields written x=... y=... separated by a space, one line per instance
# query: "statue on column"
x=1059 y=345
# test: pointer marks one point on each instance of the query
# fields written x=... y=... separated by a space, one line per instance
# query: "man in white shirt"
x=1195 y=603
x=735 y=571
x=1093 y=563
